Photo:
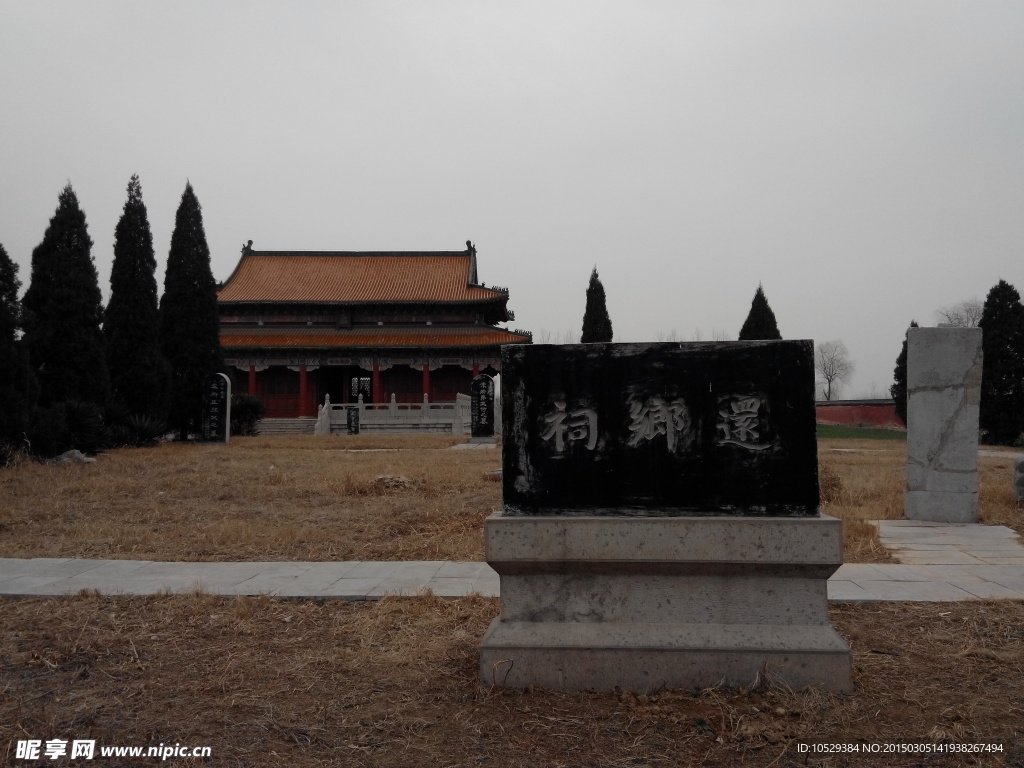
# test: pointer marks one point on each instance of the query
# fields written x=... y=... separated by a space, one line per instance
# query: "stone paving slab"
x=848 y=592
x=940 y=558
x=981 y=588
x=920 y=542
x=853 y=582
x=350 y=589
x=942 y=562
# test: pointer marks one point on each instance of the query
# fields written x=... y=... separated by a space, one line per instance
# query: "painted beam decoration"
x=660 y=429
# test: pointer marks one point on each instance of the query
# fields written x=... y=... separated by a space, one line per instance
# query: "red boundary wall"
x=859 y=413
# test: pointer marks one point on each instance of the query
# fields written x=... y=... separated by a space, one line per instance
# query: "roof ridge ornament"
x=471 y=250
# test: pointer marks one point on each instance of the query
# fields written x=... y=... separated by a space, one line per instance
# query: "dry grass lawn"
x=261 y=498
x=315 y=498
x=394 y=684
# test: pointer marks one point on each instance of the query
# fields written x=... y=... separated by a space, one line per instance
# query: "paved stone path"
x=941 y=562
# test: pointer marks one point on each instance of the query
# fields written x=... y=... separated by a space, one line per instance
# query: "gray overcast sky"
x=864 y=161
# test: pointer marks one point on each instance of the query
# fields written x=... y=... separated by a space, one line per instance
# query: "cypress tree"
x=760 y=322
x=597 y=325
x=138 y=373
x=898 y=390
x=14 y=377
x=1002 y=381
x=189 y=328
x=64 y=311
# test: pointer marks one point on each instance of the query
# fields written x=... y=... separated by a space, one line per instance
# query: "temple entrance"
x=344 y=384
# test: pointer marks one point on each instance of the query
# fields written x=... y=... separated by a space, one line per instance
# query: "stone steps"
x=287 y=426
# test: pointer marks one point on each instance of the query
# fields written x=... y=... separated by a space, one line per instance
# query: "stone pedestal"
x=943 y=403
x=644 y=603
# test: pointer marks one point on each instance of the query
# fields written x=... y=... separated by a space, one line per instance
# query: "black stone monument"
x=482 y=407
x=352 y=419
x=660 y=429
x=216 y=425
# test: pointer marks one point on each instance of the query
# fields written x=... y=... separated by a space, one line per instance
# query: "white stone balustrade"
x=453 y=417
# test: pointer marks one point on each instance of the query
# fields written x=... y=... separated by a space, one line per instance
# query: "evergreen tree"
x=898 y=390
x=597 y=325
x=760 y=323
x=138 y=373
x=14 y=377
x=189 y=325
x=64 y=311
x=1002 y=381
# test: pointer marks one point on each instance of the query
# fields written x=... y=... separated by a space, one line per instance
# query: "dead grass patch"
x=322 y=498
x=862 y=480
x=997 y=502
x=262 y=498
x=394 y=683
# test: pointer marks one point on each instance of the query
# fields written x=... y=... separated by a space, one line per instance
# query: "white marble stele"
x=943 y=404
x=645 y=603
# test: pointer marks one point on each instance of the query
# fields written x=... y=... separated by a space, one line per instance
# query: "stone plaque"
x=944 y=367
x=482 y=407
x=352 y=420
x=660 y=429
x=216 y=425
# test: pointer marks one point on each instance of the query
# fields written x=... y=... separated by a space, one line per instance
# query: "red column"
x=303 y=391
x=252 y=379
x=476 y=370
x=426 y=380
x=376 y=394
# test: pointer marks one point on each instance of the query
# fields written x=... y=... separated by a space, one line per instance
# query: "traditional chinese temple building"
x=298 y=325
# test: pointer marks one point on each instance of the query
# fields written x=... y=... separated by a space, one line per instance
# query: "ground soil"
x=395 y=683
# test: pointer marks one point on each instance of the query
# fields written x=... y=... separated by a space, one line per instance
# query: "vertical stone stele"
x=660 y=526
x=943 y=404
x=216 y=417
x=482 y=409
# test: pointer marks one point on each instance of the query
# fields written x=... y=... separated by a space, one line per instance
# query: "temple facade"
x=296 y=326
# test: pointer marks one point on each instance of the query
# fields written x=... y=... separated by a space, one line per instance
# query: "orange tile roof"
x=372 y=336
x=346 y=277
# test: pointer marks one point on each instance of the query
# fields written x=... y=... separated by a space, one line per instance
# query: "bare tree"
x=544 y=336
x=834 y=367
x=715 y=335
x=966 y=314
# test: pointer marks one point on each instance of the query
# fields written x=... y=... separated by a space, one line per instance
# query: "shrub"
x=137 y=430
x=247 y=411
x=66 y=426
x=48 y=434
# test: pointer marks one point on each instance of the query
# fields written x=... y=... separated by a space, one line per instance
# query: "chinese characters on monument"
x=482 y=407
x=663 y=429
x=216 y=425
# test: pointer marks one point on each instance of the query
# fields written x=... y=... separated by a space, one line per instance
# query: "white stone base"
x=941 y=506
x=642 y=603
